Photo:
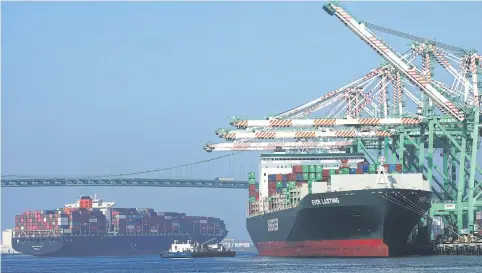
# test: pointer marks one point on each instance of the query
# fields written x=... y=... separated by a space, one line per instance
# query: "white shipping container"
x=319 y=187
x=204 y=221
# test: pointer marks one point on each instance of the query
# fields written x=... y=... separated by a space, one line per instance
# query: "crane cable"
x=457 y=50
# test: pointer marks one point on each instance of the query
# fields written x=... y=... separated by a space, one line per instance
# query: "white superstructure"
x=96 y=203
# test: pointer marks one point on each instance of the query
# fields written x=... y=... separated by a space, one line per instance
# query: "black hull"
x=103 y=245
x=362 y=223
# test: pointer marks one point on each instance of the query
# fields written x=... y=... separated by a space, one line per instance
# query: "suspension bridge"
x=123 y=182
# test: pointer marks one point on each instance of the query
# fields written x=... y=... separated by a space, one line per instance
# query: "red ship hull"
x=328 y=248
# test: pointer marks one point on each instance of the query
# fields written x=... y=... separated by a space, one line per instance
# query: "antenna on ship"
x=382 y=177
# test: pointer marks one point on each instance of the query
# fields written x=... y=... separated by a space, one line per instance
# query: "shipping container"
x=272 y=177
x=292 y=177
x=365 y=168
x=312 y=176
x=392 y=168
x=352 y=171
x=297 y=169
x=252 y=187
x=325 y=173
x=318 y=168
x=251 y=175
x=279 y=184
x=252 y=199
x=398 y=168
x=306 y=176
x=312 y=168
x=284 y=177
x=344 y=171
x=299 y=177
x=279 y=177
x=306 y=168
x=333 y=171
x=251 y=181
x=319 y=176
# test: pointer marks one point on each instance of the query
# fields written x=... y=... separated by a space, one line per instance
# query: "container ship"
x=93 y=227
x=334 y=204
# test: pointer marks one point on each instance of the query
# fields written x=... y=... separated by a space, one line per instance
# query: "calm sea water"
x=244 y=262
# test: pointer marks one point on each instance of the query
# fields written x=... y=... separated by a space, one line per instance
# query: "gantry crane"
x=399 y=110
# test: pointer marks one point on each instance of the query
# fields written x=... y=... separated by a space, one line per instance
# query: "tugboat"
x=188 y=250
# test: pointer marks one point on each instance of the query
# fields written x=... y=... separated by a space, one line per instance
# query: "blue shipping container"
x=284 y=177
x=279 y=190
x=352 y=170
x=285 y=183
x=392 y=168
x=365 y=168
x=299 y=177
x=272 y=178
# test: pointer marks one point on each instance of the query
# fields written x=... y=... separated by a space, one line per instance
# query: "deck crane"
x=397 y=109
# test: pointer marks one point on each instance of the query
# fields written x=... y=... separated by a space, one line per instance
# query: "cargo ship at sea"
x=93 y=227
x=334 y=204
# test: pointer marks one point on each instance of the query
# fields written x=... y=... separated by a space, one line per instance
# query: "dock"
x=466 y=249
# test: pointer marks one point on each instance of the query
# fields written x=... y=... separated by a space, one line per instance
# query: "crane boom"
x=272 y=146
x=325 y=122
x=458 y=50
x=306 y=134
x=392 y=57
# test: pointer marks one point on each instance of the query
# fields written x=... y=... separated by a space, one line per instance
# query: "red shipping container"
x=398 y=167
x=359 y=171
x=252 y=187
x=279 y=177
x=253 y=193
x=386 y=167
x=257 y=197
x=271 y=185
x=297 y=169
x=325 y=172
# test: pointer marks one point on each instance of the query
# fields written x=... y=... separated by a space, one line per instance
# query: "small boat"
x=188 y=250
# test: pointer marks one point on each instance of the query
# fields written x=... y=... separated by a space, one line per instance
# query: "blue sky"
x=95 y=88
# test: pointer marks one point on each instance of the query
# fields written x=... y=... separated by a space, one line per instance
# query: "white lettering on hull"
x=325 y=201
x=273 y=224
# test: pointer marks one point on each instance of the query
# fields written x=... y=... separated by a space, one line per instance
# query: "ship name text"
x=316 y=202
x=273 y=224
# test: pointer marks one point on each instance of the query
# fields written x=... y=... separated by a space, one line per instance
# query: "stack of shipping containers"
x=128 y=221
x=282 y=184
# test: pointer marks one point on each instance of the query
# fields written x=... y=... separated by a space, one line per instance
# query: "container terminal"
x=387 y=167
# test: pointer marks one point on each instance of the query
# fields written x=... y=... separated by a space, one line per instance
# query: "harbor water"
x=243 y=263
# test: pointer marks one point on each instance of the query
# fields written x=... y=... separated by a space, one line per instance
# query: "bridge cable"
x=133 y=173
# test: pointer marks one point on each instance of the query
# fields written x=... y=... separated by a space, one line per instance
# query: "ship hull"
x=102 y=245
x=360 y=223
